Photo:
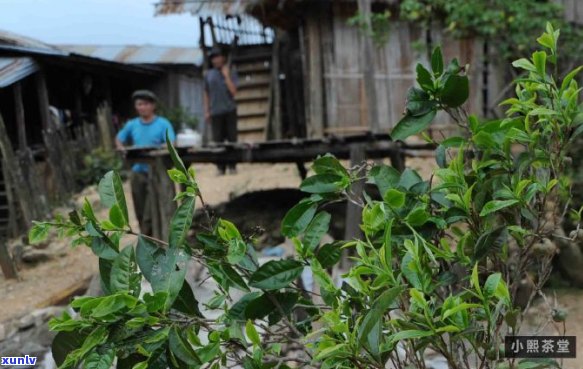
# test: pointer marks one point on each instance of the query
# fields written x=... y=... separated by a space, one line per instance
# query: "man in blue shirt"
x=147 y=130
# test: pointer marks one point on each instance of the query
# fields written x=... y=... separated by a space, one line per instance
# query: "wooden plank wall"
x=573 y=10
x=395 y=62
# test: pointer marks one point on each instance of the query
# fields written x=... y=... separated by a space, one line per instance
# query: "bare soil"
x=40 y=283
x=45 y=282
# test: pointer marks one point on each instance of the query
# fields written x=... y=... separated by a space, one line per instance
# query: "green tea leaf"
x=324 y=183
x=175 y=157
x=329 y=254
x=237 y=311
x=328 y=164
x=409 y=178
x=116 y=217
x=417 y=217
x=39 y=232
x=298 y=218
x=394 y=198
x=419 y=102
x=165 y=269
x=177 y=176
x=181 y=222
x=491 y=284
x=455 y=91
x=409 y=334
x=424 y=78
x=103 y=249
x=495 y=205
x=317 y=228
x=338 y=351
x=569 y=77
x=540 y=62
x=186 y=302
x=490 y=242
x=276 y=274
x=65 y=343
x=524 y=64
x=99 y=360
x=378 y=309
x=464 y=306
x=181 y=348
x=437 y=61
x=384 y=177
x=111 y=192
x=252 y=333
x=410 y=125
x=87 y=211
x=234 y=277
x=124 y=273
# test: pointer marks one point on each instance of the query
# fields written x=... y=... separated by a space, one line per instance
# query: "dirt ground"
x=40 y=284
x=43 y=283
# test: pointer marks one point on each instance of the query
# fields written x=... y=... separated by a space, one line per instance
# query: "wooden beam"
x=315 y=80
x=65 y=295
x=283 y=151
x=43 y=100
x=364 y=7
x=19 y=114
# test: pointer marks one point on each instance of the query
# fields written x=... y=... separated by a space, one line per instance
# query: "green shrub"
x=96 y=164
x=438 y=268
x=179 y=117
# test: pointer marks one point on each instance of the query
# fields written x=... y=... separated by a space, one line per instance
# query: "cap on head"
x=215 y=51
x=145 y=95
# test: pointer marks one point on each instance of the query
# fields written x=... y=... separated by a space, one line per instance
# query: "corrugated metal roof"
x=146 y=54
x=13 y=39
x=14 y=69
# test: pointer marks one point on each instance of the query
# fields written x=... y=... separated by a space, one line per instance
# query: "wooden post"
x=397 y=157
x=161 y=197
x=43 y=100
x=104 y=124
x=19 y=113
x=315 y=88
x=12 y=221
x=275 y=106
x=353 y=211
x=6 y=263
x=25 y=198
x=211 y=24
x=364 y=7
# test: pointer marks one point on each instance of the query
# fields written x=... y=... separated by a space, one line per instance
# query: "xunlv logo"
x=18 y=360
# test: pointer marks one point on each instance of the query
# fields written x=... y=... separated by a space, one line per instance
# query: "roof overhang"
x=13 y=70
x=75 y=60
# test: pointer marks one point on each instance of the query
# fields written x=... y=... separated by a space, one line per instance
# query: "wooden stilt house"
x=326 y=75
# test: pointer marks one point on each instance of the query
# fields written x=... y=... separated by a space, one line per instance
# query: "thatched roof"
x=280 y=13
x=231 y=7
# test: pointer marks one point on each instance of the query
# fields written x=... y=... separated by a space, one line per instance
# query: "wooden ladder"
x=253 y=97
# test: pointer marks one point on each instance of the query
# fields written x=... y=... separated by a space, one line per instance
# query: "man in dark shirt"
x=220 y=88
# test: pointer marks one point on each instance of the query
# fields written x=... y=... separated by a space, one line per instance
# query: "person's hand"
x=225 y=71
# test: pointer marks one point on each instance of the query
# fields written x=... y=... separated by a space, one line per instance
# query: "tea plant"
x=96 y=164
x=438 y=268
